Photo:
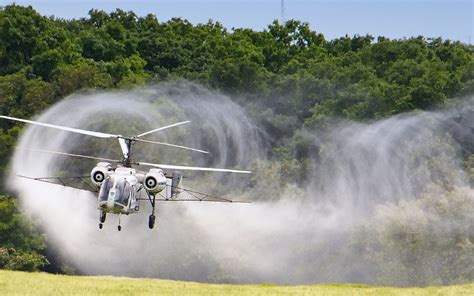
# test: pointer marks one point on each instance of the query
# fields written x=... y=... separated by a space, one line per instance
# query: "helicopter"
x=119 y=186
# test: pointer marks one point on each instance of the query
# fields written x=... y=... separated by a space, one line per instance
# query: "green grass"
x=22 y=283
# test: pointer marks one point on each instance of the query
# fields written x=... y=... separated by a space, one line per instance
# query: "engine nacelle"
x=154 y=181
x=100 y=172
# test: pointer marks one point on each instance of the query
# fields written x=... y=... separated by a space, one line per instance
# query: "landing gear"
x=119 y=227
x=151 y=221
x=152 y=217
x=102 y=217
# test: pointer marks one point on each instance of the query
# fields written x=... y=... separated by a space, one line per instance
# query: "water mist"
x=290 y=239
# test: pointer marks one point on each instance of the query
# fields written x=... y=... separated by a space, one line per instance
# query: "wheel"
x=101 y=225
x=151 y=221
x=102 y=217
x=119 y=228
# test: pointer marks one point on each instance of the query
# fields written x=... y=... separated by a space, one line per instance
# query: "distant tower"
x=283 y=11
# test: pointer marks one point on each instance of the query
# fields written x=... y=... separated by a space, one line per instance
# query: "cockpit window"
x=122 y=191
x=104 y=189
x=117 y=189
x=126 y=192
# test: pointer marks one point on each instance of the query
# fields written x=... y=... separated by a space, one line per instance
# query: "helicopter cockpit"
x=114 y=194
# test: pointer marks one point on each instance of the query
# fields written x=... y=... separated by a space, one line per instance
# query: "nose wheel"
x=119 y=227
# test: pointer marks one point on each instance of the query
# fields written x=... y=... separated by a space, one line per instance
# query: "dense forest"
x=288 y=76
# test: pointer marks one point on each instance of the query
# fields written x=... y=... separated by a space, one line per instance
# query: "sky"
x=450 y=19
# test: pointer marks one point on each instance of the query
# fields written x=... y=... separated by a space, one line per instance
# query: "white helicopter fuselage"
x=120 y=188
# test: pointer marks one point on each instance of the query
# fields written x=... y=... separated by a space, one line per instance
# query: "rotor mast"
x=126 y=145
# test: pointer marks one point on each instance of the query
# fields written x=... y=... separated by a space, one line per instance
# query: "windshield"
x=104 y=189
x=122 y=191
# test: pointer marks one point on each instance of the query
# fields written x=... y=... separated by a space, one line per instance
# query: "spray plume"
x=300 y=236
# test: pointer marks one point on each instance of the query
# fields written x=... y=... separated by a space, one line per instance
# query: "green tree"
x=20 y=244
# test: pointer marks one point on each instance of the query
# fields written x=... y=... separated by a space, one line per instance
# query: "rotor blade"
x=172 y=145
x=162 y=128
x=64 y=128
x=70 y=154
x=188 y=168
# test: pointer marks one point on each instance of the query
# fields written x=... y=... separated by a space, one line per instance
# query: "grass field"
x=22 y=283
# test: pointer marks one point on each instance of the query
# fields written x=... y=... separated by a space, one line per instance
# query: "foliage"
x=25 y=261
x=19 y=242
x=469 y=165
x=357 y=77
x=272 y=179
x=422 y=242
